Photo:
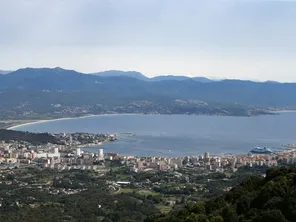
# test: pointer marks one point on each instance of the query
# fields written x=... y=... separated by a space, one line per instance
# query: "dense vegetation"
x=48 y=195
x=79 y=196
x=269 y=199
x=33 y=138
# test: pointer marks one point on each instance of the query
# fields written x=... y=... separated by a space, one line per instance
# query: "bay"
x=179 y=135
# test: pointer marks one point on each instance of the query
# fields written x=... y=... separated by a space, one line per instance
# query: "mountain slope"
x=132 y=74
x=246 y=93
x=140 y=76
x=202 y=79
x=4 y=72
x=269 y=199
x=169 y=77
x=180 y=78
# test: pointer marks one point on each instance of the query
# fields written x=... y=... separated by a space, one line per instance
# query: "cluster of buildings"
x=84 y=139
x=14 y=153
x=70 y=156
x=76 y=160
x=155 y=163
x=233 y=162
x=214 y=163
x=66 y=156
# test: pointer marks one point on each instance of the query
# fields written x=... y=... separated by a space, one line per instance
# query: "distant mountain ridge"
x=140 y=76
x=4 y=72
x=119 y=73
x=127 y=86
x=132 y=74
x=53 y=93
x=169 y=77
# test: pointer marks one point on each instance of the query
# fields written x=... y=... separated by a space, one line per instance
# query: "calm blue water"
x=180 y=135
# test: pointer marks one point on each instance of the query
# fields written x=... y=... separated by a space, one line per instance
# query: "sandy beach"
x=50 y=120
x=34 y=122
x=58 y=119
x=47 y=120
x=285 y=111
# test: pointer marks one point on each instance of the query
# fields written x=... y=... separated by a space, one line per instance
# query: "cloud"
x=190 y=29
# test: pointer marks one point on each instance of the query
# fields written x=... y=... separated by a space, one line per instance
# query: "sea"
x=179 y=135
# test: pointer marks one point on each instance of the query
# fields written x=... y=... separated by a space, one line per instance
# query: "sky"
x=239 y=39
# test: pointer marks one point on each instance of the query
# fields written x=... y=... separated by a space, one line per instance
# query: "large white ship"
x=261 y=150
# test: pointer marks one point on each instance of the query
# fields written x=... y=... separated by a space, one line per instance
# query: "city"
x=71 y=155
x=168 y=182
x=147 y=111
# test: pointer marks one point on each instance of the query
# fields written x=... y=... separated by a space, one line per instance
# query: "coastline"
x=52 y=120
x=117 y=148
x=284 y=111
x=30 y=122
x=33 y=122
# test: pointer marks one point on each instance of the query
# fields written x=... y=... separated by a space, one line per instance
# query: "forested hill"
x=54 y=93
x=33 y=138
x=269 y=199
x=126 y=87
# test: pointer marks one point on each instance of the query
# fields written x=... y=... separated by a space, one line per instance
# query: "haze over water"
x=180 y=135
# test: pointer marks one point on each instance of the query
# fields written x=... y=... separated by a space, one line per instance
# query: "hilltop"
x=132 y=74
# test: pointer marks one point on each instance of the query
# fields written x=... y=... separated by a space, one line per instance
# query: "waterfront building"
x=101 y=154
x=70 y=140
x=207 y=157
x=78 y=152
x=56 y=150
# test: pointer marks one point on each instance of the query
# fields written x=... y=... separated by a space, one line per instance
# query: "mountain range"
x=134 y=84
x=132 y=74
x=28 y=89
x=140 y=76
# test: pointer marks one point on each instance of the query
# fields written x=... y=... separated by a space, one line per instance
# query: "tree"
x=192 y=218
x=229 y=215
x=270 y=216
x=10 y=177
x=217 y=219
x=199 y=208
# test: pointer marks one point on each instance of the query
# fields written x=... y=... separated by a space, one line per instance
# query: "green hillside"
x=269 y=199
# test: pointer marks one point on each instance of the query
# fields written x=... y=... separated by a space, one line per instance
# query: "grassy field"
x=125 y=190
x=164 y=209
x=141 y=192
x=147 y=192
x=228 y=174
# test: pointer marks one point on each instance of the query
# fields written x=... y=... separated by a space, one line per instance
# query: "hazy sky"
x=248 y=39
